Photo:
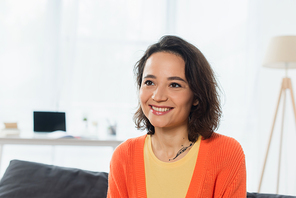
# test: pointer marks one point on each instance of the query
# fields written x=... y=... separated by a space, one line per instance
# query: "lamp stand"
x=286 y=84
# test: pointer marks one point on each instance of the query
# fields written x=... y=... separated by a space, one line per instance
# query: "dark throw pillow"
x=24 y=179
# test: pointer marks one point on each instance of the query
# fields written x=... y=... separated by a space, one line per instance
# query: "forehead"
x=165 y=64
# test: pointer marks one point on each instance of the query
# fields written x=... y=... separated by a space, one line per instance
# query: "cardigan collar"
x=198 y=176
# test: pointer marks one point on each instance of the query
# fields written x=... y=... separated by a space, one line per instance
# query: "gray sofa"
x=24 y=179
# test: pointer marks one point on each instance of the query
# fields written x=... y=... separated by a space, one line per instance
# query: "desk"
x=57 y=141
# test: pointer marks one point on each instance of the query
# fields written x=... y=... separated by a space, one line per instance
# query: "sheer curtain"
x=78 y=56
x=98 y=52
x=75 y=56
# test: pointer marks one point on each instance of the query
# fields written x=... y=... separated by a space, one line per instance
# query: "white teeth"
x=160 y=109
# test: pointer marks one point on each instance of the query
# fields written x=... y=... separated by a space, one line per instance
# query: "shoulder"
x=222 y=141
x=130 y=143
x=128 y=147
x=224 y=146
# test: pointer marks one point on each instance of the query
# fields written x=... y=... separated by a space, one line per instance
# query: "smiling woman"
x=198 y=77
x=181 y=155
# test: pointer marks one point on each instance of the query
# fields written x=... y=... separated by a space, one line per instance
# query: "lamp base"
x=286 y=84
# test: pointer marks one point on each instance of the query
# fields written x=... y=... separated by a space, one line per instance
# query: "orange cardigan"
x=220 y=170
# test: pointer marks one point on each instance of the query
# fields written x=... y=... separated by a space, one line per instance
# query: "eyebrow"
x=169 y=78
x=150 y=76
x=176 y=78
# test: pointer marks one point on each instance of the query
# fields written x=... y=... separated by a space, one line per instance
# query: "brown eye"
x=176 y=85
x=148 y=82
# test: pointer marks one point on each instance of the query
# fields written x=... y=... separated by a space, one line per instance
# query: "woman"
x=180 y=156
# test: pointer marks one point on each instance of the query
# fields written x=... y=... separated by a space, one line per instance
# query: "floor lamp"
x=281 y=54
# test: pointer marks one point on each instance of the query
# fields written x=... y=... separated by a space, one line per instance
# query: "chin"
x=157 y=123
x=160 y=123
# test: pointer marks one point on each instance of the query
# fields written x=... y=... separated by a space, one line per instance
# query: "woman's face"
x=165 y=96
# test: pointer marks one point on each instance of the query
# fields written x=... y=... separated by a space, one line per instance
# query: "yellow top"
x=168 y=179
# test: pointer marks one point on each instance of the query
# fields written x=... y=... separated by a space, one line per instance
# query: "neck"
x=167 y=142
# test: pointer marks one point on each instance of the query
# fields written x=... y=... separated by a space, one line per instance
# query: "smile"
x=160 y=110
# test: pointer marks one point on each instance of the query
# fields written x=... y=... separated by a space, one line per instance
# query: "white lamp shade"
x=281 y=53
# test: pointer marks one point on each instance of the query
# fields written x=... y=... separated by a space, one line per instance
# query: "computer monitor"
x=46 y=121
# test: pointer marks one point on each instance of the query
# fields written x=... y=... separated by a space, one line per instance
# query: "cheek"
x=144 y=97
x=187 y=101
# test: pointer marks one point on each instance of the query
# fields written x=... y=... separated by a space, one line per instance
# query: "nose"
x=159 y=95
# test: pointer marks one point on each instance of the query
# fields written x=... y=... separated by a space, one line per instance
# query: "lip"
x=159 y=113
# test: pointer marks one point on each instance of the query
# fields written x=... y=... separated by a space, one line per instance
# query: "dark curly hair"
x=203 y=118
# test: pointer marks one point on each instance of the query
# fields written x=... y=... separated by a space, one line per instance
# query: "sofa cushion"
x=261 y=195
x=31 y=179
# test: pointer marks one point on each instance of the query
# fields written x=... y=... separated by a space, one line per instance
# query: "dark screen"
x=49 y=121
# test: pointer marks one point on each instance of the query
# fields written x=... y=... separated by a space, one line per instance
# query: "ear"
x=195 y=103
